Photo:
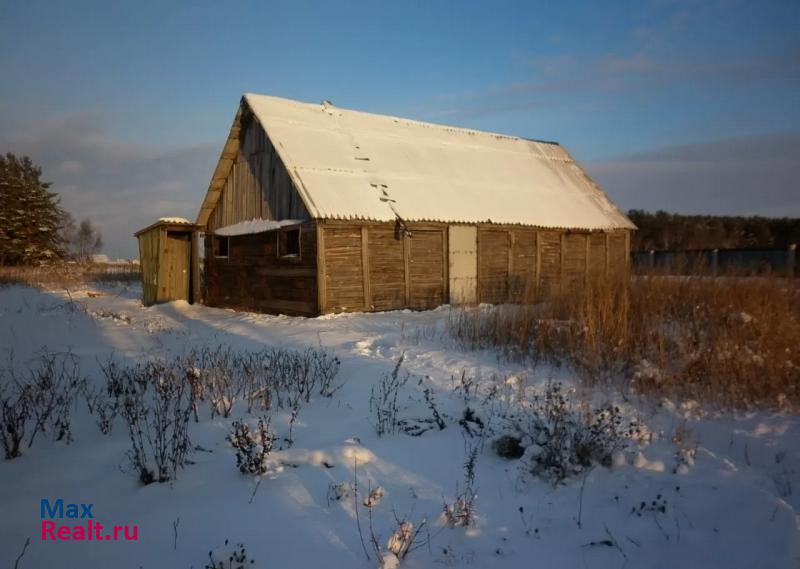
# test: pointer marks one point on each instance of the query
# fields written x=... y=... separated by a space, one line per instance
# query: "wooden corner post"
x=365 y=268
x=407 y=268
x=321 y=270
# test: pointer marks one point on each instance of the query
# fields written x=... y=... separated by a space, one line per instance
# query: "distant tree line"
x=662 y=231
x=34 y=228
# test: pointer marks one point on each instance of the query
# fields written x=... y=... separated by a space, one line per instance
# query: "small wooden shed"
x=314 y=209
x=169 y=260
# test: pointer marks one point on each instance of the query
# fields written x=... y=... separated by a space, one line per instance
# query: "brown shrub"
x=68 y=274
x=730 y=341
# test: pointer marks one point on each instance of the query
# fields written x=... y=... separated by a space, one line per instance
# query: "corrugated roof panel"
x=354 y=165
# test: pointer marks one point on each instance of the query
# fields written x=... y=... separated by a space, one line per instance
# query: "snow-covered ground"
x=736 y=504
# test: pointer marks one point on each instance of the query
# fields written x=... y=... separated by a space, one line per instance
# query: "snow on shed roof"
x=171 y=222
x=354 y=165
x=179 y=220
x=252 y=226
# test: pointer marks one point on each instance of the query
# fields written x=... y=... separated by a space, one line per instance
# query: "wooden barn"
x=315 y=209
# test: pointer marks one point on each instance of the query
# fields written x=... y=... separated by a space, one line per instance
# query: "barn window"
x=219 y=246
x=289 y=243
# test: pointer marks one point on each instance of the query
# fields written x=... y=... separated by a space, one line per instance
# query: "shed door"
x=178 y=254
x=463 y=263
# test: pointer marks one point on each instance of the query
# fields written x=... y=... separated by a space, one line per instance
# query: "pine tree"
x=30 y=216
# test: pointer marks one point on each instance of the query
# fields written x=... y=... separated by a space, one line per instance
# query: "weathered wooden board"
x=597 y=257
x=493 y=254
x=344 y=277
x=257 y=185
x=427 y=269
x=550 y=263
x=177 y=256
x=617 y=254
x=386 y=268
x=463 y=263
x=522 y=266
x=149 y=260
x=574 y=261
x=254 y=277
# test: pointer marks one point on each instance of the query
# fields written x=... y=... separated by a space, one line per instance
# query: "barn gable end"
x=251 y=181
x=250 y=270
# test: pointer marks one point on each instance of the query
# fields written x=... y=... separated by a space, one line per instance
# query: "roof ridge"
x=325 y=105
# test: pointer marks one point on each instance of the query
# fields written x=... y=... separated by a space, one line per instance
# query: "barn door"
x=179 y=250
x=463 y=264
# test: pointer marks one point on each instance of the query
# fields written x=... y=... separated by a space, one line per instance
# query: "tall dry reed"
x=731 y=341
x=68 y=274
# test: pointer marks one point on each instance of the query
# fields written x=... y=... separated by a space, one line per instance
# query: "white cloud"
x=70 y=167
x=744 y=176
x=121 y=186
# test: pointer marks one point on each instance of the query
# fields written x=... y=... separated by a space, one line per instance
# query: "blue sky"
x=126 y=105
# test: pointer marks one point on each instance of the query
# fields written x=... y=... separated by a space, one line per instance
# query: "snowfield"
x=694 y=490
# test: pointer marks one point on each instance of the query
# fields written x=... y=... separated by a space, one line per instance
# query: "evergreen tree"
x=30 y=216
x=664 y=231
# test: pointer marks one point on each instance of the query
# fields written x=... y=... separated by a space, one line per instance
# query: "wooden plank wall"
x=344 y=271
x=549 y=249
x=526 y=265
x=258 y=185
x=618 y=255
x=253 y=277
x=177 y=260
x=493 y=265
x=573 y=261
x=427 y=266
x=197 y=294
x=149 y=258
x=597 y=256
x=371 y=267
x=522 y=265
x=386 y=269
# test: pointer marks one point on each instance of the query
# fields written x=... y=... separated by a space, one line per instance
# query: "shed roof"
x=354 y=165
x=171 y=223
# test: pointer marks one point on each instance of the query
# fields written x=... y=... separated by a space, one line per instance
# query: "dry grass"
x=728 y=341
x=68 y=274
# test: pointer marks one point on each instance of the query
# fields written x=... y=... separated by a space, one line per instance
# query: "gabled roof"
x=353 y=165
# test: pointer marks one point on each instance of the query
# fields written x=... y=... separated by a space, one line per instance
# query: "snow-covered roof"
x=170 y=222
x=178 y=220
x=254 y=226
x=353 y=165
